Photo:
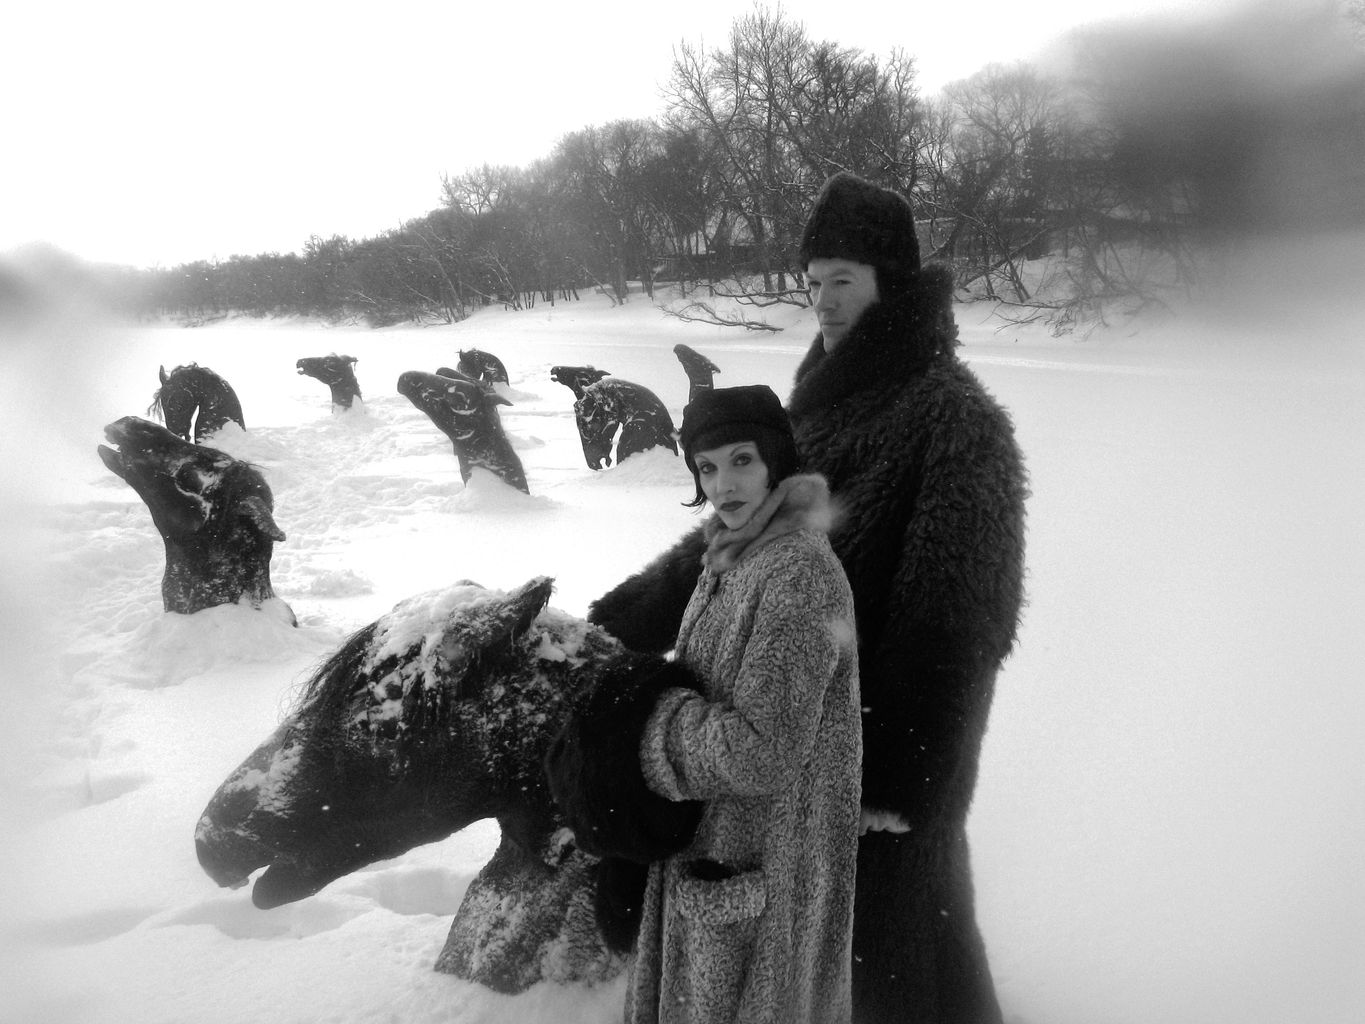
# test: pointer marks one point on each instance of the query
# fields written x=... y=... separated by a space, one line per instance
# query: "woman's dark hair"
x=775 y=447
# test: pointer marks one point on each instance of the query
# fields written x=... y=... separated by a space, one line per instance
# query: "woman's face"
x=734 y=480
x=840 y=291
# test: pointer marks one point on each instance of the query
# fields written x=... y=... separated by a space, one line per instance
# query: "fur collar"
x=892 y=340
x=798 y=502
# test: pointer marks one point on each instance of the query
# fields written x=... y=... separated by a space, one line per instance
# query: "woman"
x=753 y=921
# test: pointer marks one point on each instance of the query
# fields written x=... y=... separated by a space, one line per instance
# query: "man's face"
x=840 y=291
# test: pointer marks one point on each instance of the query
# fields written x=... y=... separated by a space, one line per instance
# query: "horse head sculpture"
x=613 y=404
x=215 y=514
x=193 y=388
x=337 y=372
x=700 y=370
x=576 y=378
x=437 y=715
x=482 y=366
x=467 y=413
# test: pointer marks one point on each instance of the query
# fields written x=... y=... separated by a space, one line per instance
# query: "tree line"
x=1127 y=171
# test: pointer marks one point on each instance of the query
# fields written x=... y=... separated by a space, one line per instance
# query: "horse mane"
x=155 y=409
x=426 y=712
x=243 y=479
x=333 y=682
x=237 y=481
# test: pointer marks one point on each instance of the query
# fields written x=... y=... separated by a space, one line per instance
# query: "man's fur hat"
x=856 y=220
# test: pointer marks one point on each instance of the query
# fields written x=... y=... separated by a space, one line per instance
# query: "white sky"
x=150 y=132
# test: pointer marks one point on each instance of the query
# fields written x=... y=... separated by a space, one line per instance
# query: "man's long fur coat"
x=752 y=923
x=931 y=487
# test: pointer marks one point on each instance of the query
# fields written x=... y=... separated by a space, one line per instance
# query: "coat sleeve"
x=695 y=749
x=645 y=611
x=594 y=772
x=951 y=616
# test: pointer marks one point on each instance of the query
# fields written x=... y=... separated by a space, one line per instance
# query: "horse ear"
x=161 y=371
x=254 y=508
x=525 y=603
x=471 y=646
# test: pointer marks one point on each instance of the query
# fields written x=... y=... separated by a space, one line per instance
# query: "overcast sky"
x=156 y=133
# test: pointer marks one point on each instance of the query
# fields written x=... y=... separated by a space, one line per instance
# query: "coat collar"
x=891 y=340
x=798 y=502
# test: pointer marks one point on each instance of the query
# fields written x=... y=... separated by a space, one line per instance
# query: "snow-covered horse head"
x=193 y=387
x=700 y=370
x=467 y=413
x=215 y=514
x=337 y=372
x=435 y=716
x=483 y=366
x=576 y=378
x=612 y=404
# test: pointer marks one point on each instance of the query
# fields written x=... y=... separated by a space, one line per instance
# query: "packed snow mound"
x=654 y=466
x=173 y=648
x=484 y=493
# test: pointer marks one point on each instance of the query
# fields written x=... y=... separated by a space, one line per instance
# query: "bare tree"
x=604 y=173
x=780 y=113
x=993 y=160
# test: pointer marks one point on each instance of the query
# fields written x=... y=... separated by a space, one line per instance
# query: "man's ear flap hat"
x=854 y=219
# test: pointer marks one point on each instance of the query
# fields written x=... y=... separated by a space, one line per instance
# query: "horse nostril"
x=227 y=864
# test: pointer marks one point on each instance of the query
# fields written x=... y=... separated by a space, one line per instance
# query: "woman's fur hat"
x=753 y=412
x=854 y=219
x=714 y=408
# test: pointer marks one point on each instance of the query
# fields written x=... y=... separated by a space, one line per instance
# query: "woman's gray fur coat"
x=753 y=922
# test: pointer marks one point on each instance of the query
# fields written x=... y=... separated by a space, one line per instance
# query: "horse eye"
x=188 y=478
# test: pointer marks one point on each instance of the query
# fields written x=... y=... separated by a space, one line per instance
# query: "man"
x=931 y=485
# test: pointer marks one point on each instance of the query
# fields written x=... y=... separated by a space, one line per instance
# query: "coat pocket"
x=718 y=925
x=707 y=899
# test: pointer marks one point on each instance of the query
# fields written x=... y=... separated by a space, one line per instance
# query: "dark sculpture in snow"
x=482 y=366
x=467 y=413
x=193 y=387
x=215 y=515
x=612 y=404
x=337 y=372
x=700 y=370
x=454 y=374
x=576 y=378
x=437 y=715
